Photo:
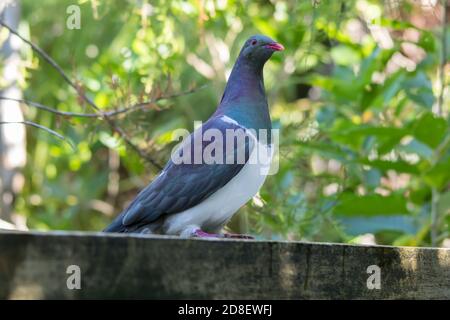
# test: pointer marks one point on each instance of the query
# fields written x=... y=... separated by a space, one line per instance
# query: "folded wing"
x=181 y=186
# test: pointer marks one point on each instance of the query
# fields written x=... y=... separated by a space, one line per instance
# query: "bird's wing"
x=181 y=186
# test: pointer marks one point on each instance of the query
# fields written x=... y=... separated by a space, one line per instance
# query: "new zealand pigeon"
x=216 y=169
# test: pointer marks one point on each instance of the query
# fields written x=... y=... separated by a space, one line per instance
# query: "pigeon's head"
x=259 y=48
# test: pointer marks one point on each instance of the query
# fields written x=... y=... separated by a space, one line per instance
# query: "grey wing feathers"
x=179 y=187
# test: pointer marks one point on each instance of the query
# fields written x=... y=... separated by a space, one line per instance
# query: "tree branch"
x=89 y=101
x=142 y=105
x=50 y=109
x=37 y=125
x=112 y=113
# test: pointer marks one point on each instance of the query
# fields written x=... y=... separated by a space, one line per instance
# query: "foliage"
x=362 y=147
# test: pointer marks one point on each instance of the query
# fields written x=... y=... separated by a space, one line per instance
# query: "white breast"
x=214 y=212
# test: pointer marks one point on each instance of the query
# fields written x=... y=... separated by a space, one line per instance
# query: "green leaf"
x=417 y=147
x=368 y=67
x=419 y=89
x=420 y=194
x=439 y=175
x=396 y=24
x=337 y=85
x=372 y=177
x=371 y=205
x=326 y=150
x=430 y=129
x=345 y=55
x=388 y=90
x=427 y=41
x=386 y=137
x=385 y=165
x=382 y=226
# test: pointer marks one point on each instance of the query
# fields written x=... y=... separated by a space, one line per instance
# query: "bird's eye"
x=253 y=42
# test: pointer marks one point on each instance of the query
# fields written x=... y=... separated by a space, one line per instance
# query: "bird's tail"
x=116 y=226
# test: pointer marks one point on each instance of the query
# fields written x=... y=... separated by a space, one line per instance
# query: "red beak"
x=275 y=46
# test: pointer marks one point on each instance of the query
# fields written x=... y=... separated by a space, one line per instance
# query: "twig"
x=37 y=125
x=138 y=150
x=112 y=113
x=88 y=100
x=142 y=105
x=50 y=109
x=50 y=61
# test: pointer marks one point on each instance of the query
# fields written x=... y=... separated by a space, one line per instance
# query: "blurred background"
x=360 y=96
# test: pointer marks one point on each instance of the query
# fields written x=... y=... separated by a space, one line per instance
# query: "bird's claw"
x=202 y=234
x=237 y=236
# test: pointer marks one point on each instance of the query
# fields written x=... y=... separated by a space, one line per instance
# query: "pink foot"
x=202 y=234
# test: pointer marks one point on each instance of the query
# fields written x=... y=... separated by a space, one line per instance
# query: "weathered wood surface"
x=33 y=265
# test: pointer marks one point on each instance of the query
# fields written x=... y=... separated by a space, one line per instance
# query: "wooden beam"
x=33 y=265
